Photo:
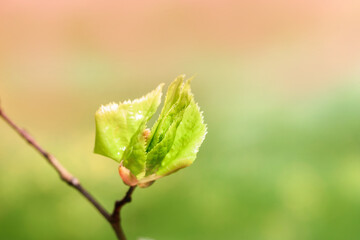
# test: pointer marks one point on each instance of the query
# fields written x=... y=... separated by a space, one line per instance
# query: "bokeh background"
x=278 y=82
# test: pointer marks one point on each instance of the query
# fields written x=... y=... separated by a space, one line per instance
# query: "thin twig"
x=119 y=204
x=116 y=218
x=66 y=176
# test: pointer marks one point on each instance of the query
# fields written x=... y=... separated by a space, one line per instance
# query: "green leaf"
x=172 y=109
x=135 y=156
x=158 y=153
x=189 y=136
x=174 y=139
x=172 y=96
x=119 y=126
x=168 y=122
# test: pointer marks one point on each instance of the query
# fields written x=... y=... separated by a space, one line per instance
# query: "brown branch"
x=114 y=219
x=115 y=216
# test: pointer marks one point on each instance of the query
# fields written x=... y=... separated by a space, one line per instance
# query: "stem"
x=114 y=219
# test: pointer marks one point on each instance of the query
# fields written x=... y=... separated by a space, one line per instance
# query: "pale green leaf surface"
x=165 y=120
x=172 y=96
x=117 y=124
x=158 y=153
x=135 y=155
x=189 y=136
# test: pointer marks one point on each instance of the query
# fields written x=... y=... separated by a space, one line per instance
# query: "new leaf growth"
x=172 y=143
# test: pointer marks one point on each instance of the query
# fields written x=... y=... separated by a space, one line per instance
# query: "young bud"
x=128 y=178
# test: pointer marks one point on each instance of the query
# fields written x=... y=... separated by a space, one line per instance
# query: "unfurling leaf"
x=172 y=143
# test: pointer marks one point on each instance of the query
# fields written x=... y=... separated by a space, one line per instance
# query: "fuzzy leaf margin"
x=173 y=142
x=120 y=126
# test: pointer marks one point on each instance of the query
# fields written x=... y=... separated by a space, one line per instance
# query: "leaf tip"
x=107 y=108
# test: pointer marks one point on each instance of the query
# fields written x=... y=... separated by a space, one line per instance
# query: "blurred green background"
x=278 y=82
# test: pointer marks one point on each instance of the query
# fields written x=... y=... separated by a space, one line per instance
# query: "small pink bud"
x=146 y=134
x=128 y=178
